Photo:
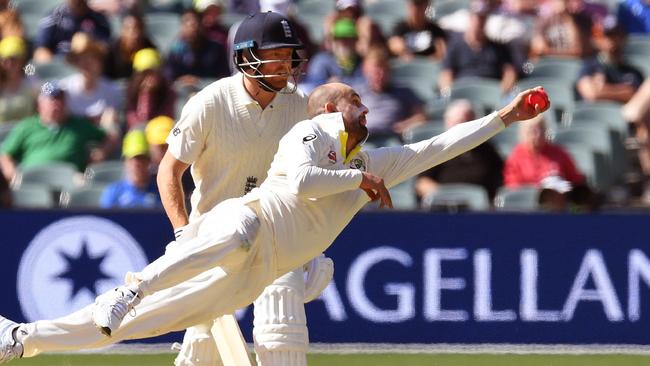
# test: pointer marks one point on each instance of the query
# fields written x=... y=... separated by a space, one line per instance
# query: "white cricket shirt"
x=312 y=190
x=230 y=140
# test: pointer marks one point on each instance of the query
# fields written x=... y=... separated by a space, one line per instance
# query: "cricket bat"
x=230 y=342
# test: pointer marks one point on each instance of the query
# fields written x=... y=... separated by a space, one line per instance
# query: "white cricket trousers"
x=239 y=257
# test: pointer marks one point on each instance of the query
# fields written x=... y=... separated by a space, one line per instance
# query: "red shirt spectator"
x=534 y=159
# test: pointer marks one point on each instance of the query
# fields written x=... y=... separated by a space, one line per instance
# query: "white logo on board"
x=71 y=261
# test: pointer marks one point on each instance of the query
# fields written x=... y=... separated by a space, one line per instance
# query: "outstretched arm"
x=396 y=164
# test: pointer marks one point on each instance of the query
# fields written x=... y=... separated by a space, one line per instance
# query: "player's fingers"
x=386 y=200
x=371 y=194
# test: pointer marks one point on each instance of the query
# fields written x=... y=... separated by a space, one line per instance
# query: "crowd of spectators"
x=125 y=88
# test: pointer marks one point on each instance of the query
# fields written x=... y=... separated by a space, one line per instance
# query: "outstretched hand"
x=520 y=110
x=376 y=189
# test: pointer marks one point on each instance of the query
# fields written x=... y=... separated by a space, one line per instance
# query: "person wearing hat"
x=156 y=131
x=52 y=136
x=56 y=30
x=607 y=77
x=138 y=188
x=17 y=91
x=228 y=132
x=472 y=54
x=132 y=38
x=368 y=32
x=148 y=93
x=192 y=56
x=213 y=29
x=89 y=94
x=342 y=63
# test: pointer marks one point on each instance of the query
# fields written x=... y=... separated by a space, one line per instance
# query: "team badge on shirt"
x=332 y=156
x=176 y=131
x=308 y=138
x=359 y=164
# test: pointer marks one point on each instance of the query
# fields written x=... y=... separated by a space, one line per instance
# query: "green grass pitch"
x=362 y=359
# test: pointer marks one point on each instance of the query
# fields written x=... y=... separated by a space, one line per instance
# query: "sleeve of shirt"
x=399 y=163
x=302 y=149
x=187 y=139
x=13 y=143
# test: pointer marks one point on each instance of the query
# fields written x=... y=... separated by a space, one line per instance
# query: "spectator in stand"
x=138 y=188
x=635 y=15
x=10 y=23
x=368 y=32
x=537 y=162
x=56 y=29
x=210 y=11
x=563 y=32
x=606 y=76
x=149 y=94
x=52 y=136
x=156 y=132
x=117 y=8
x=342 y=63
x=482 y=165
x=393 y=108
x=535 y=158
x=17 y=92
x=471 y=54
x=88 y=93
x=512 y=25
x=192 y=56
x=132 y=38
x=417 y=35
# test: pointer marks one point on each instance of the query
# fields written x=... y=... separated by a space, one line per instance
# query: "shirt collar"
x=244 y=99
x=333 y=124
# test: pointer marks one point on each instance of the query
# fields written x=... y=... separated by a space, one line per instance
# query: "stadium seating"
x=562 y=69
x=88 y=197
x=603 y=111
x=520 y=199
x=419 y=74
x=587 y=162
x=30 y=24
x=163 y=29
x=104 y=173
x=446 y=7
x=423 y=132
x=36 y=7
x=403 y=195
x=485 y=94
x=56 y=69
x=315 y=8
x=457 y=196
x=57 y=176
x=32 y=195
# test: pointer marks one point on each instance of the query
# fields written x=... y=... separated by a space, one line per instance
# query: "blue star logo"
x=84 y=271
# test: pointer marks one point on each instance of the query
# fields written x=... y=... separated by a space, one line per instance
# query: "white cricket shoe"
x=111 y=308
x=10 y=348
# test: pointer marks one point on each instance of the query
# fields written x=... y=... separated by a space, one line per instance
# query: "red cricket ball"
x=539 y=98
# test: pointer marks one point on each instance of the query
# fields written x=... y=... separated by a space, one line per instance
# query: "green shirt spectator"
x=52 y=136
x=33 y=143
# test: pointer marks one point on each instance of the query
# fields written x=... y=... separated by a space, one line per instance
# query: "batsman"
x=229 y=133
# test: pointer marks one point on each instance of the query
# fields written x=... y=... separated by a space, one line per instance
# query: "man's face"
x=281 y=67
x=52 y=109
x=137 y=170
x=354 y=114
x=534 y=135
x=189 y=26
x=344 y=48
